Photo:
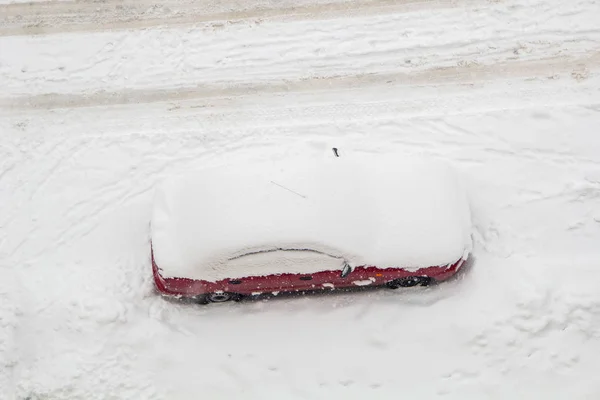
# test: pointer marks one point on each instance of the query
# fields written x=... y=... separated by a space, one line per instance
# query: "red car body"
x=287 y=282
x=308 y=224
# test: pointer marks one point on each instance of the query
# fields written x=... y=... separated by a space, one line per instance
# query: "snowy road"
x=101 y=99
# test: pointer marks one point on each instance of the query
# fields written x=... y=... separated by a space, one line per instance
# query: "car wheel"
x=409 y=281
x=220 y=297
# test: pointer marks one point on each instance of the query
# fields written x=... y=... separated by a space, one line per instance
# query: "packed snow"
x=390 y=212
x=102 y=100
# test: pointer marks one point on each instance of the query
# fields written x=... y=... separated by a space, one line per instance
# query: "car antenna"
x=335 y=151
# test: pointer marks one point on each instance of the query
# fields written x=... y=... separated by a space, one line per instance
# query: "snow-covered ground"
x=100 y=100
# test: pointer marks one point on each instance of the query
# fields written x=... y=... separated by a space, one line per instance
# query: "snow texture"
x=102 y=100
x=388 y=212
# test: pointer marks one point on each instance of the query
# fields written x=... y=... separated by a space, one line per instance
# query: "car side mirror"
x=346 y=270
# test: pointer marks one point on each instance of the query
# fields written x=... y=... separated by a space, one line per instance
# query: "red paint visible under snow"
x=287 y=282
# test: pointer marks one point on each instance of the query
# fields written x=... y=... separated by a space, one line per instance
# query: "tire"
x=219 y=297
x=409 y=281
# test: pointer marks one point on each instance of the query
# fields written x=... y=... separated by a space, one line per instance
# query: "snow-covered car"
x=303 y=224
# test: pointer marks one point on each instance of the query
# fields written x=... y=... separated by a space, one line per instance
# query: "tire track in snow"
x=250 y=55
x=500 y=147
x=110 y=193
x=548 y=68
x=41 y=18
x=80 y=213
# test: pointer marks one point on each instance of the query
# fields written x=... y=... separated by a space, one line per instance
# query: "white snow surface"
x=102 y=100
x=393 y=211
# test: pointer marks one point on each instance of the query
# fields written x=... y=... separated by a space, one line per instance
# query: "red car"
x=308 y=224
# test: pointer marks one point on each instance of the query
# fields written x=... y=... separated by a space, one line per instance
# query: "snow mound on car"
x=387 y=212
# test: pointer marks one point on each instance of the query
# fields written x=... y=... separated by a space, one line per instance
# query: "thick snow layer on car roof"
x=383 y=211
